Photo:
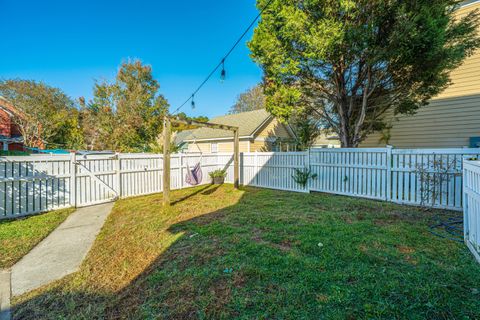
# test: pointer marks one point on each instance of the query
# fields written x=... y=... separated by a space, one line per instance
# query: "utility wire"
x=222 y=61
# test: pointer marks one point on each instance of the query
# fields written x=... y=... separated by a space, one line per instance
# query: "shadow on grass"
x=275 y=254
x=188 y=196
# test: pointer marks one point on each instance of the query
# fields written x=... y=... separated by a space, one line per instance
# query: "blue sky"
x=69 y=44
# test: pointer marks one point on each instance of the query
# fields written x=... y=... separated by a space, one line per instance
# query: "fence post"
x=180 y=170
x=255 y=162
x=465 y=202
x=73 y=179
x=307 y=164
x=388 y=184
x=119 y=175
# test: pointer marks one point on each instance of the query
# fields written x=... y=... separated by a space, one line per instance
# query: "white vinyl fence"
x=41 y=183
x=272 y=169
x=471 y=212
x=411 y=176
x=408 y=176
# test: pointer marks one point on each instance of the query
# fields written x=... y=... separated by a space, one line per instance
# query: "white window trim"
x=216 y=147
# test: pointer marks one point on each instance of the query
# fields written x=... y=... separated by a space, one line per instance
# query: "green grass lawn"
x=219 y=253
x=18 y=237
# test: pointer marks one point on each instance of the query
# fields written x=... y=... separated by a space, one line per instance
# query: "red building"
x=10 y=135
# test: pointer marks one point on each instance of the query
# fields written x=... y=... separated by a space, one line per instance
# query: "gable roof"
x=247 y=122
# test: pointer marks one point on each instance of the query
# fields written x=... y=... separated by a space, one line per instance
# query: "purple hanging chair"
x=194 y=176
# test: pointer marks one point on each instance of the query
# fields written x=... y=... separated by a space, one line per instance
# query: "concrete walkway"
x=5 y=295
x=62 y=252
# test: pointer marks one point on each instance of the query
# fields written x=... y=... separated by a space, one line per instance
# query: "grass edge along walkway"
x=19 y=236
x=62 y=251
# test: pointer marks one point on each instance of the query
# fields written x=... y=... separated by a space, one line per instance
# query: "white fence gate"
x=96 y=179
x=471 y=212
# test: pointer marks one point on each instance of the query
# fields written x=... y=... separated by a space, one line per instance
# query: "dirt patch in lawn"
x=285 y=245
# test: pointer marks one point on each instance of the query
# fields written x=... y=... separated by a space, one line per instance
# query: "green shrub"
x=301 y=176
x=13 y=153
x=219 y=173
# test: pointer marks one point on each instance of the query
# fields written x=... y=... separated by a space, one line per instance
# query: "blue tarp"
x=49 y=151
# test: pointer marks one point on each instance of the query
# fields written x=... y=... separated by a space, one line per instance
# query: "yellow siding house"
x=258 y=130
x=452 y=119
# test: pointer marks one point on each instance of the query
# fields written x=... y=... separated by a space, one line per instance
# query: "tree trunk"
x=347 y=139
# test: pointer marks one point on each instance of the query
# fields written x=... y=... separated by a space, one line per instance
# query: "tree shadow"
x=211 y=190
x=260 y=257
x=201 y=190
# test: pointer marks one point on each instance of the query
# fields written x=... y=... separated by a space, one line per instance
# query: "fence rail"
x=471 y=212
x=35 y=184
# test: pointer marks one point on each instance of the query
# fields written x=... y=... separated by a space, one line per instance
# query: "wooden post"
x=166 y=161
x=236 y=149
x=236 y=158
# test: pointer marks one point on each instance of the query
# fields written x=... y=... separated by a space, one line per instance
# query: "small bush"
x=218 y=173
x=301 y=176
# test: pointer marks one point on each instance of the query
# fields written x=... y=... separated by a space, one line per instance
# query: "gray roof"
x=181 y=136
x=247 y=122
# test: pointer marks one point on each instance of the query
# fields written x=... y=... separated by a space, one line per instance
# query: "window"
x=213 y=147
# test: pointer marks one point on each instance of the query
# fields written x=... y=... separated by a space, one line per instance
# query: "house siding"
x=5 y=124
x=274 y=128
x=260 y=146
x=223 y=146
x=449 y=120
x=202 y=147
x=325 y=140
x=228 y=146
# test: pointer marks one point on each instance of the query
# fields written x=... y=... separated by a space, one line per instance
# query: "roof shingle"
x=247 y=122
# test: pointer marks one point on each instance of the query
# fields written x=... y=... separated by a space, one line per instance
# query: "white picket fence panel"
x=406 y=184
x=273 y=170
x=353 y=172
x=35 y=184
x=471 y=212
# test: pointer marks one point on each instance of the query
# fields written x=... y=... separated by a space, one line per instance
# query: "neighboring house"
x=10 y=136
x=452 y=119
x=258 y=130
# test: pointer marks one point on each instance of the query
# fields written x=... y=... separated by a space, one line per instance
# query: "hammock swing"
x=194 y=176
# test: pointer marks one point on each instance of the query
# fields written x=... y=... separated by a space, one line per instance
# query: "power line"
x=222 y=61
